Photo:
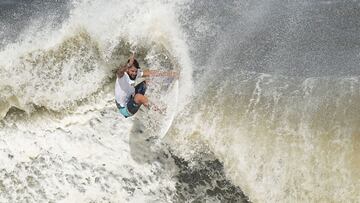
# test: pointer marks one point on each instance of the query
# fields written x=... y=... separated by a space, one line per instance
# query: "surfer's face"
x=132 y=72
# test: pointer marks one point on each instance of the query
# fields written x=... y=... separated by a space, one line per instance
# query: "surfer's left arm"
x=157 y=73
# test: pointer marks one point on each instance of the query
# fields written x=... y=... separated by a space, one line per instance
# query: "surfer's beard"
x=132 y=77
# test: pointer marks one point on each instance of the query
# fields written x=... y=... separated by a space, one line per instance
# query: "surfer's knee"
x=141 y=99
x=141 y=88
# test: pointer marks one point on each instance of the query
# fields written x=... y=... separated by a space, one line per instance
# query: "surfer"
x=129 y=96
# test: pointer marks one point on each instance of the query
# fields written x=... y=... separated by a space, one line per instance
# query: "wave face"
x=277 y=97
x=269 y=89
x=281 y=139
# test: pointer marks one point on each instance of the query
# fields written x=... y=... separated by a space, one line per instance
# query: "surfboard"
x=139 y=80
x=157 y=121
x=170 y=112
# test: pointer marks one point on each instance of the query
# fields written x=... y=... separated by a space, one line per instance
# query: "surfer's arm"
x=120 y=72
x=157 y=73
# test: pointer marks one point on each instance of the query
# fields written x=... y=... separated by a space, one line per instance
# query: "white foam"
x=78 y=148
x=99 y=27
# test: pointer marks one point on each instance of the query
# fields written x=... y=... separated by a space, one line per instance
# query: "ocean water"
x=266 y=108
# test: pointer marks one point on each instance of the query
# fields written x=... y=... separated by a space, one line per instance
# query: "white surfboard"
x=139 y=80
x=169 y=115
x=158 y=120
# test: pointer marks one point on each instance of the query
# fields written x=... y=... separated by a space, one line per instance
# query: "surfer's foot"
x=153 y=107
x=151 y=139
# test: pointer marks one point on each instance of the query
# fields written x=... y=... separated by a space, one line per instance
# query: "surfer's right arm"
x=157 y=73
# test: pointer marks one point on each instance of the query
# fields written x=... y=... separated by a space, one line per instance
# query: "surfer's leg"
x=123 y=110
x=135 y=102
x=141 y=99
x=140 y=88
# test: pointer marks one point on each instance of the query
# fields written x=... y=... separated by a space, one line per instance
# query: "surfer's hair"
x=136 y=63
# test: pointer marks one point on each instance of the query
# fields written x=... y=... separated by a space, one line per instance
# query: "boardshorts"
x=132 y=107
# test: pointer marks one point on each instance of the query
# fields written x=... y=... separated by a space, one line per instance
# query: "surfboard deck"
x=139 y=80
x=158 y=120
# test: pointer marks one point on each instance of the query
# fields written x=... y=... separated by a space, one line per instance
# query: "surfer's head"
x=132 y=70
x=135 y=63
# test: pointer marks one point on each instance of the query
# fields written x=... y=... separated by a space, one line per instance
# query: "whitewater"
x=266 y=107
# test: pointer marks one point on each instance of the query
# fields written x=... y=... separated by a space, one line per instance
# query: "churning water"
x=268 y=104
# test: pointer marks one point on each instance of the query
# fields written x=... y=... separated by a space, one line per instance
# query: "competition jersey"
x=124 y=88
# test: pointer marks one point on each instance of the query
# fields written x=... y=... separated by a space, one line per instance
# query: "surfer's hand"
x=175 y=74
x=171 y=74
x=158 y=109
x=131 y=60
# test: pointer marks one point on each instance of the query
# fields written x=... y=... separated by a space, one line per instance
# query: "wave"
x=55 y=78
x=71 y=134
x=79 y=59
x=280 y=138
